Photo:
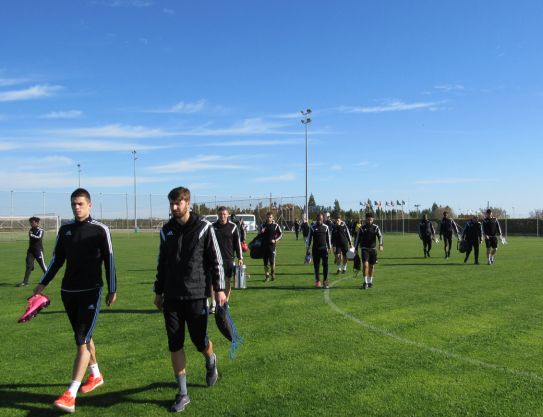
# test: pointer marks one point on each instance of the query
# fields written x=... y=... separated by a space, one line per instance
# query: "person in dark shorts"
x=320 y=244
x=367 y=237
x=426 y=234
x=491 y=228
x=189 y=263
x=341 y=239
x=473 y=234
x=447 y=227
x=84 y=244
x=34 y=251
x=297 y=228
x=228 y=236
x=270 y=233
x=305 y=229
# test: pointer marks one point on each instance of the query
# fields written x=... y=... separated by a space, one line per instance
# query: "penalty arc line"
x=384 y=332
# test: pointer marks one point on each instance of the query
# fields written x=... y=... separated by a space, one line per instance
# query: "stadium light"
x=305 y=121
x=135 y=210
x=78 y=175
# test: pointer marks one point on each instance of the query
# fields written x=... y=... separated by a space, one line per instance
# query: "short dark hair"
x=81 y=192
x=179 y=193
x=320 y=215
x=221 y=208
x=488 y=211
x=445 y=212
x=368 y=215
x=34 y=219
x=269 y=213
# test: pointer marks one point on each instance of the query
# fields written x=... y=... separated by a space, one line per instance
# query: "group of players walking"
x=196 y=261
x=470 y=237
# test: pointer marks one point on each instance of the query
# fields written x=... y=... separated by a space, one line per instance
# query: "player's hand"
x=39 y=289
x=273 y=241
x=220 y=297
x=381 y=248
x=240 y=262
x=110 y=298
x=159 y=301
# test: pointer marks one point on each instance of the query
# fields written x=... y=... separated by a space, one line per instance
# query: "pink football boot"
x=35 y=304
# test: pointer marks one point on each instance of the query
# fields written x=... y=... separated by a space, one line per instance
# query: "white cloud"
x=36 y=180
x=392 y=106
x=168 y=11
x=30 y=93
x=287 y=177
x=6 y=82
x=9 y=146
x=288 y=116
x=199 y=163
x=68 y=114
x=114 y=131
x=183 y=108
x=253 y=126
x=336 y=167
x=248 y=143
x=96 y=146
x=440 y=181
x=128 y=3
x=449 y=87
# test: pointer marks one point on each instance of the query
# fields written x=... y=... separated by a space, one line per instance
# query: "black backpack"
x=255 y=248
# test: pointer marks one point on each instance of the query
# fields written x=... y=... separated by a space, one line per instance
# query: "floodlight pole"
x=135 y=209
x=305 y=121
x=79 y=175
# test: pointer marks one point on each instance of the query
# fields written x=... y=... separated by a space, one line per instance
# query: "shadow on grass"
x=111 y=310
x=17 y=396
x=421 y=264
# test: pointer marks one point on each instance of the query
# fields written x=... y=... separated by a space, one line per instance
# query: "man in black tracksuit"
x=491 y=228
x=189 y=263
x=341 y=239
x=426 y=234
x=297 y=228
x=35 y=250
x=319 y=235
x=228 y=236
x=85 y=245
x=446 y=228
x=367 y=237
x=270 y=233
x=305 y=229
x=473 y=234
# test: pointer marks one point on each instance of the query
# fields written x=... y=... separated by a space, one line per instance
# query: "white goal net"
x=16 y=224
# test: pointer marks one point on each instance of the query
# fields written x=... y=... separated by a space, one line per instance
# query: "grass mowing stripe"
x=380 y=330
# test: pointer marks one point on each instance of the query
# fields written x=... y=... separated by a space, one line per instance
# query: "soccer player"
x=271 y=233
x=427 y=234
x=329 y=222
x=84 y=244
x=367 y=237
x=446 y=229
x=305 y=229
x=319 y=235
x=189 y=262
x=297 y=228
x=228 y=236
x=473 y=234
x=35 y=249
x=341 y=238
x=491 y=228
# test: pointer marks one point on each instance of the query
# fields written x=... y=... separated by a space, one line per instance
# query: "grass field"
x=434 y=337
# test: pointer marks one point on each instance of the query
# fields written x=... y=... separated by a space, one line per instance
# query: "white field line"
x=384 y=332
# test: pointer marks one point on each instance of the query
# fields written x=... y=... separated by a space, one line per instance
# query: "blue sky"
x=419 y=101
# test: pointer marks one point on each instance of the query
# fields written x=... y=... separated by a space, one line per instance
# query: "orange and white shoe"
x=92 y=383
x=66 y=402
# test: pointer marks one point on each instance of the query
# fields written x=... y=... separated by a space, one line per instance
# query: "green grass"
x=434 y=337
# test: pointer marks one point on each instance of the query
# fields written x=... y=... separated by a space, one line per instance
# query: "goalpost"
x=18 y=226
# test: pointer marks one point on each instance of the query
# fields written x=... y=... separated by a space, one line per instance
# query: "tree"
x=337 y=209
x=311 y=204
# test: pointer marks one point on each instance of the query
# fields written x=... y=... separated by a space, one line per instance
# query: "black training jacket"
x=84 y=246
x=189 y=260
